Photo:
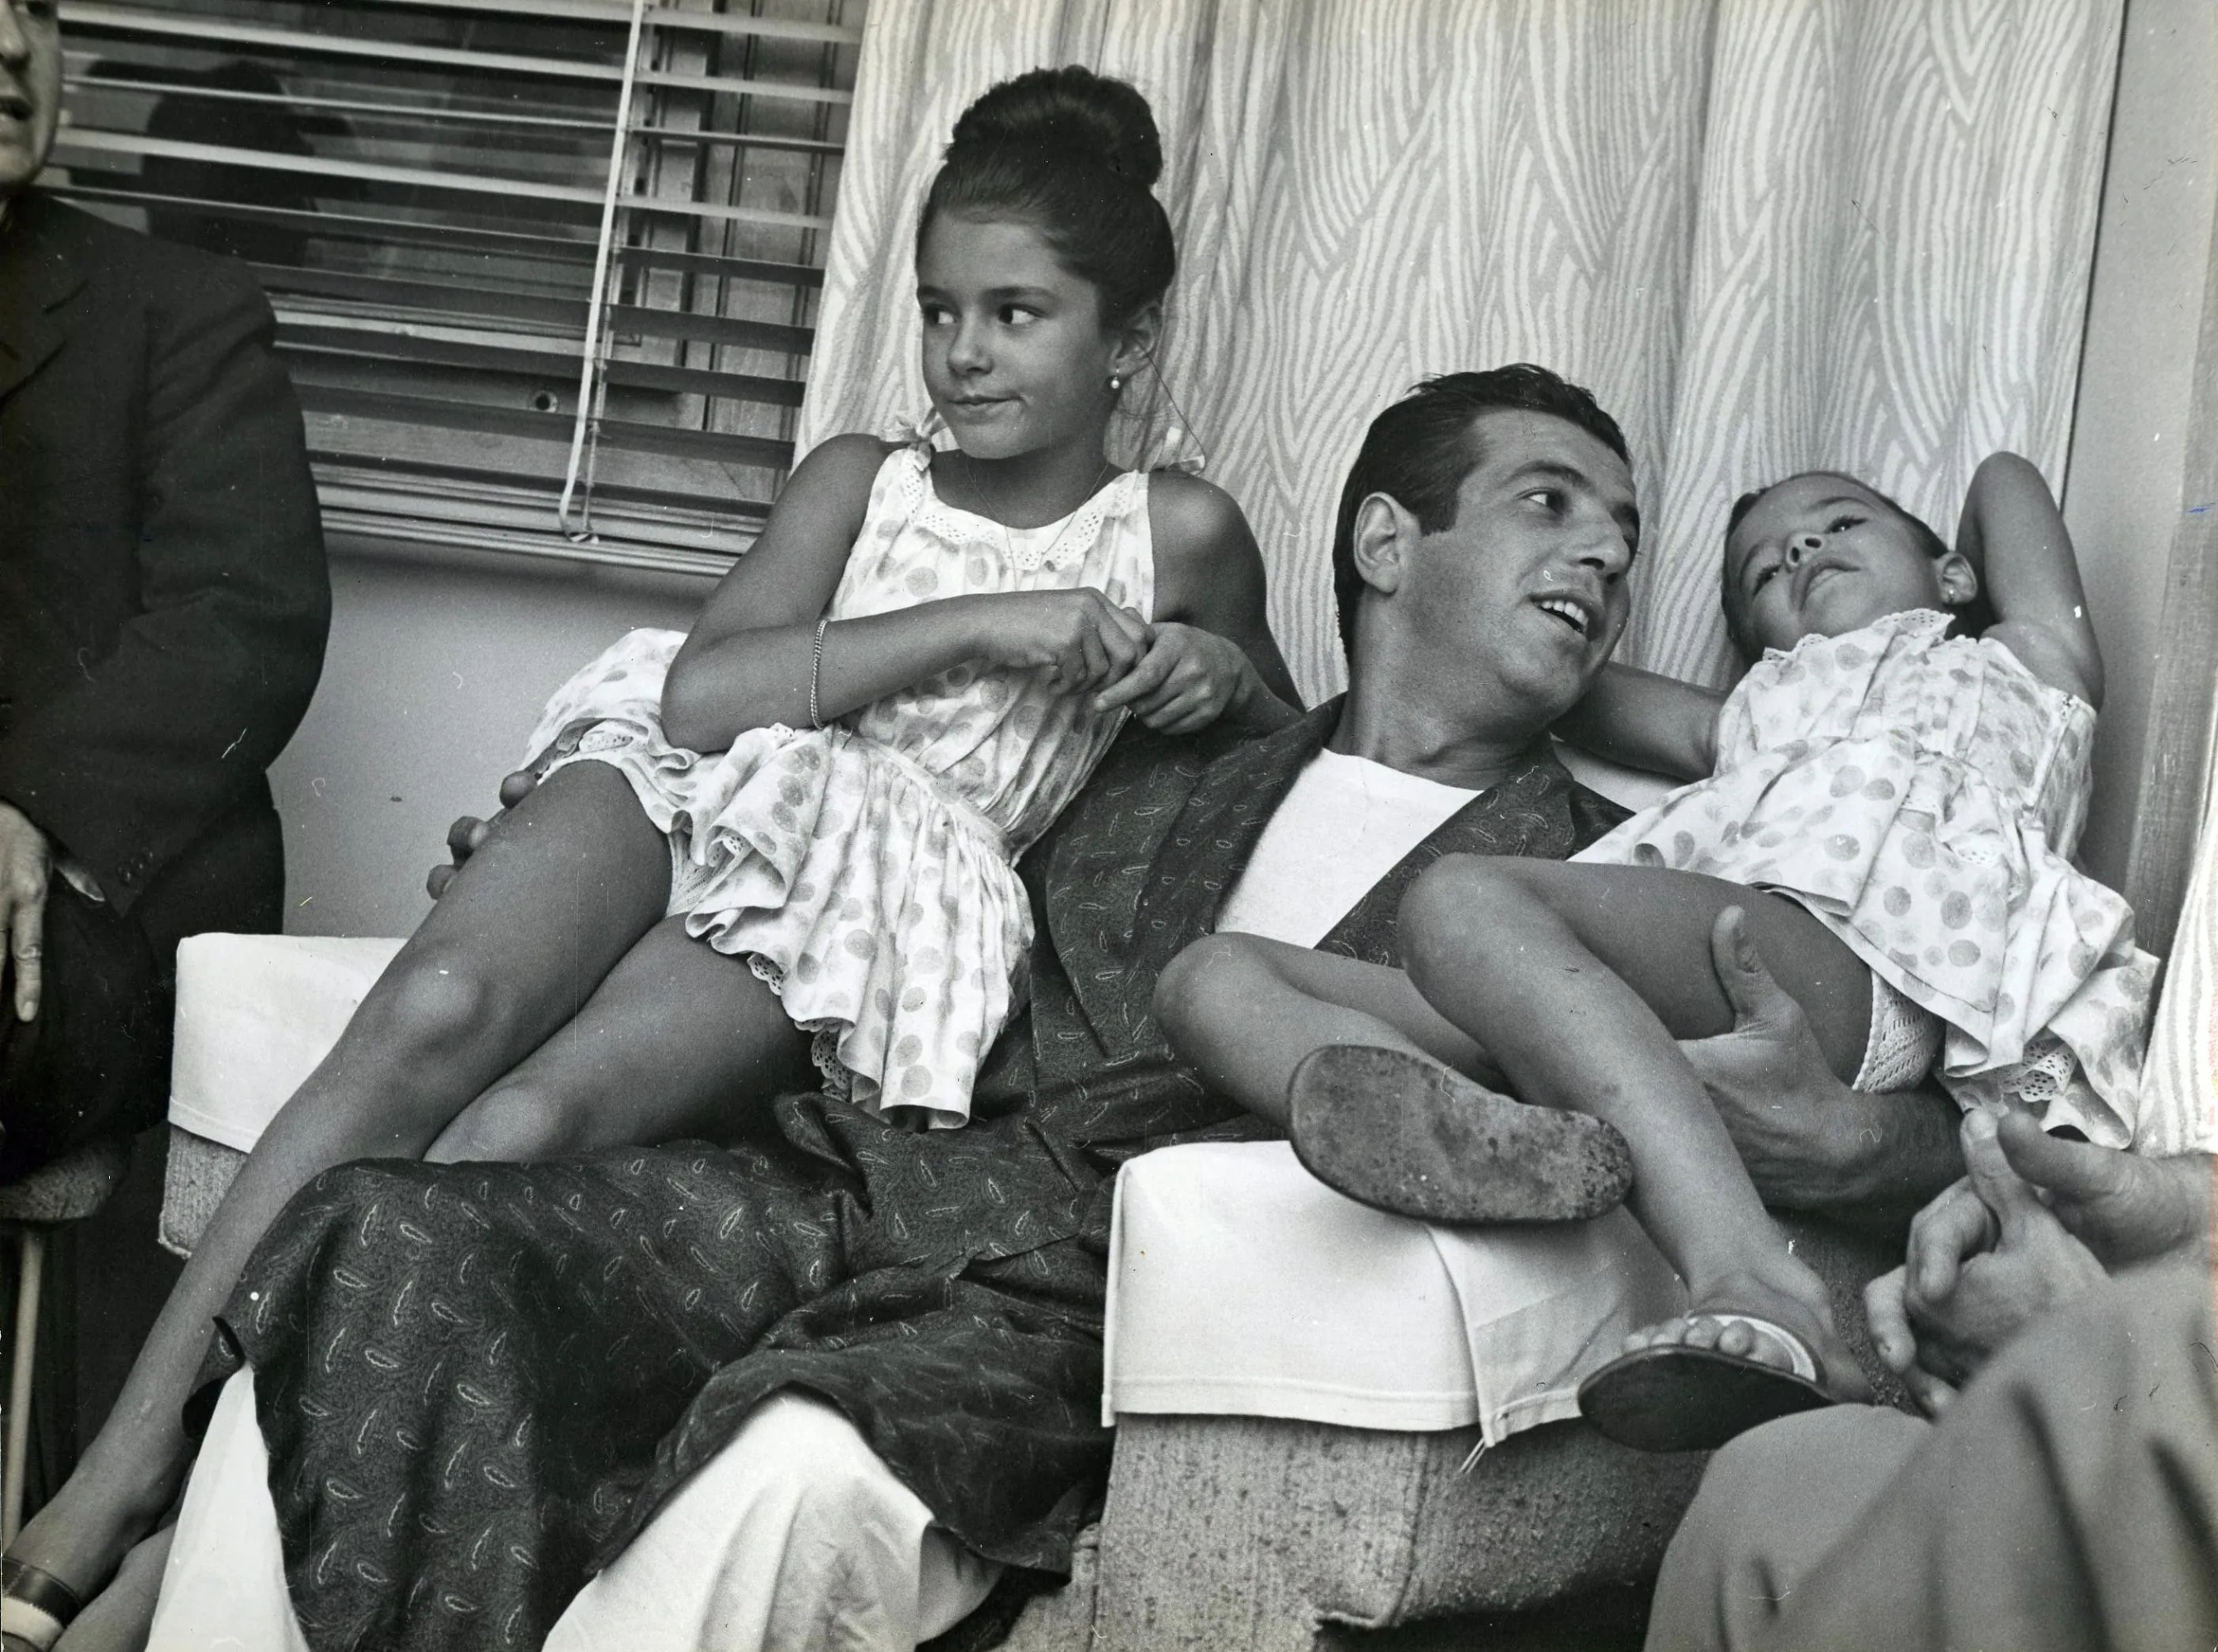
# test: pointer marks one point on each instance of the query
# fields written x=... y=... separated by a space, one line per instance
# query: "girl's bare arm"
x=747 y=662
x=1212 y=655
x=2013 y=535
x=1644 y=721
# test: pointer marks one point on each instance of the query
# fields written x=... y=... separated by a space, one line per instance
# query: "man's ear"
x=1137 y=340
x=1960 y=581
x=1383 y=534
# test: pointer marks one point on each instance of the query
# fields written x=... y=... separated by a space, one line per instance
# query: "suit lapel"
x=1537 y=812
x=1216 y=832
x=1126 y=890
x=37 y=277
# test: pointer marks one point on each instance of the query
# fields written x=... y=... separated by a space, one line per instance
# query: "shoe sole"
x=1402 y=1134
x=1676 y=1398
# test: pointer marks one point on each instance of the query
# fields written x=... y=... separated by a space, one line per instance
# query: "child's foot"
x=66 y=1554
x=1694 y=1382
x=35 y=1606
x=1406 y=1135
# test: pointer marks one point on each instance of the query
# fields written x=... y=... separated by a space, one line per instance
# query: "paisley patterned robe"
x=478 y=1381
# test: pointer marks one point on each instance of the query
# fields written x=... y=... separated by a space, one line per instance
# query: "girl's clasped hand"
x=1176 y=679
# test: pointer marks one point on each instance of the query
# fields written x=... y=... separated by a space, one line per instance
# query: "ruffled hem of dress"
x=861 y=963
x=2053 y=1075
x=823 y=1036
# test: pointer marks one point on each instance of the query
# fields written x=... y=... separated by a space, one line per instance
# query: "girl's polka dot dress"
x=865 y=871
x=1920 y=795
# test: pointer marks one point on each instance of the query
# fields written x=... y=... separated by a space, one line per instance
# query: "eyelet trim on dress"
x=961 y=530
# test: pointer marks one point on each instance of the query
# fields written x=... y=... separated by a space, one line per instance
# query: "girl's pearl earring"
x=1115 y=383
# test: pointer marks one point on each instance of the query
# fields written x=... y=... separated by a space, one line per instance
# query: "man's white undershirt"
x=1346 y=824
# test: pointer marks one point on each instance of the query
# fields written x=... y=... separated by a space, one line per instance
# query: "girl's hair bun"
x=1073 y=109
x=1076 y=155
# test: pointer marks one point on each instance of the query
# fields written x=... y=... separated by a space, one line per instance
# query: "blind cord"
x=593 y=380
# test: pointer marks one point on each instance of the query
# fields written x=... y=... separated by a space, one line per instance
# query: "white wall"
x=437 y=671
x=2122 y=498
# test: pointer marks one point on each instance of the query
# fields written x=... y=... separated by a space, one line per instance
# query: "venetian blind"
x=438 y=199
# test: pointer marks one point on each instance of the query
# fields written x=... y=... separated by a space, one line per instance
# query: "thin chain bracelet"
x=816 y=669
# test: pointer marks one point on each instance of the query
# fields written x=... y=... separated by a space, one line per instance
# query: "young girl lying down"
x=1892 y=802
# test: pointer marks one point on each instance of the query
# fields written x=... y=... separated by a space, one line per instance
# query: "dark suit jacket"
x=164 y=599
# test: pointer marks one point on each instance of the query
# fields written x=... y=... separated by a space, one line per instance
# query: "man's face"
x=30 y=89
x=1524 y=595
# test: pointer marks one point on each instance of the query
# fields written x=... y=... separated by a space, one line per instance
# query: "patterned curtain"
x=2179 y=1078
x=1768 y=234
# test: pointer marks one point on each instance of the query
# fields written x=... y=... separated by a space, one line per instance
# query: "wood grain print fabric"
x=1770 y=235
x=2179 y=1080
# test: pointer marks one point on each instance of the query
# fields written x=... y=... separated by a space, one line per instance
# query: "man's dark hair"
x=1419 y=450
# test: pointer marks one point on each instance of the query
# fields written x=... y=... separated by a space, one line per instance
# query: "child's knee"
x=1458 y=898
x=435 y=1009
x=515 y=1123
x=1446 y=897
x=1183 y=990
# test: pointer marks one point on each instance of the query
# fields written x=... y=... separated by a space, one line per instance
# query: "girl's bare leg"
x=1399 y=1134
x=120 y=1617
x=1246 y=1011
x=678 y=1041
x=567 y=881
x=1582 y=978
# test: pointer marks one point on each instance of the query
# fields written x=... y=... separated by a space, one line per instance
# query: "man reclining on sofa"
x=482 y=1383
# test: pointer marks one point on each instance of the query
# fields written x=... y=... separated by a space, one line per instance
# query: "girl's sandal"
x=1403 y=1133
x=35 y=1606
x=1675 y=1397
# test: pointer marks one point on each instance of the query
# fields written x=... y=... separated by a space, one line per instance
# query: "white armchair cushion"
x=254 y=1014
x=1241 y=1285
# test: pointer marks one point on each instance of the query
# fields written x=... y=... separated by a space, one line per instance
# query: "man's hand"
x=469 y=833
x=25 y=861
x=1987 y=1258
x=1809 y=1141
x=2123 y=1206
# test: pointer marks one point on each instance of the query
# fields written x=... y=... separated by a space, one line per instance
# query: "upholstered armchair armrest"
x=254 y=1014
x=1326 y=1415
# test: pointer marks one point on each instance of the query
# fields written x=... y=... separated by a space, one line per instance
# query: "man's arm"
x=207 y=682
x=1809 y=1142
x=1647 y=722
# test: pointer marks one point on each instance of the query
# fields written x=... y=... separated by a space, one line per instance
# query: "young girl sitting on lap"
x=790 y=834
x=1892 y=805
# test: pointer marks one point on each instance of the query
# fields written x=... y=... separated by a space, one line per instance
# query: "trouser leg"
x=1772 y=1503
x=96 y=1058
x=794 y=1537
x=2066 y=1503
